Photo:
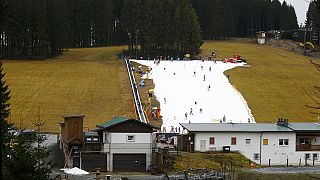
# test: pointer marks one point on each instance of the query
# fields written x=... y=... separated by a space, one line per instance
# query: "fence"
x=135 y=92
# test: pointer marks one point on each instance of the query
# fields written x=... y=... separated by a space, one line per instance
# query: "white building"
x=127 y=144
x=267 y=144
x=261 y=37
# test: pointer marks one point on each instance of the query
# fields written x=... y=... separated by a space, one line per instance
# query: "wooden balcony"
x=307 y=147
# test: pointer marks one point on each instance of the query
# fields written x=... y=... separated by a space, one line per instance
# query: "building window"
x=248 y=141
x=283 y=142
x=304 y=141
x=105 y=137
x=256 y=156
x=265 y=141
x=211 y=141
x=315 y=156
x=233 y=141
x=307 y=155
x=131 y=138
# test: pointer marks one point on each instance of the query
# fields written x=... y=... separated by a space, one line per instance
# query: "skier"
x=194 y=73
x=200 y=110
x=186 y=115
x=209 y=88
x=210 y=68
x=164 y=100
x=191 y=113
x=204 y=77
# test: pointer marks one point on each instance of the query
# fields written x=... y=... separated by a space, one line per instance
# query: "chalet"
x=120 y=144
x=267 y=144
x=127 y=143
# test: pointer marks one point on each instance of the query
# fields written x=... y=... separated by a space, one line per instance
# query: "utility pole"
x=137 y=32
x=129 y=34
x=319 y=36
x=305 y=38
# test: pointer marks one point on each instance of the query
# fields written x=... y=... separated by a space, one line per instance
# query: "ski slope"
x=196 y=92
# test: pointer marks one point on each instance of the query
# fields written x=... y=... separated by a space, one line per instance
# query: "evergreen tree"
x=38 y=29
x=313 y=16
x=28 y=159
x=4 y=113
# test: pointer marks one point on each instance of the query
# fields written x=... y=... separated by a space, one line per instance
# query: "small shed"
x=261 y=37
x=72 y=129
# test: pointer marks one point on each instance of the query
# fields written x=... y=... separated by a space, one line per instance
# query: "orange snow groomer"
x=158 y=112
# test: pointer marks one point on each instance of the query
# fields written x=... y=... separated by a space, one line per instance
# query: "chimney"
x=282 y=122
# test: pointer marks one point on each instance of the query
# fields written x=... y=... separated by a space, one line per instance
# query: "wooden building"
x=72 y=130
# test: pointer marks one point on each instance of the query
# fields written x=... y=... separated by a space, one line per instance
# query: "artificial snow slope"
x=196 y=92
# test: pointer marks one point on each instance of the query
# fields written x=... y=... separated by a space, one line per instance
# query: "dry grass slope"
x=209 y=161
x=275 y=84
x=87 y=81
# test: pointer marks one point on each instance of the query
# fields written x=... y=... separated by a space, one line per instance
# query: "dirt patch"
x=292 y=46
x=283 y=43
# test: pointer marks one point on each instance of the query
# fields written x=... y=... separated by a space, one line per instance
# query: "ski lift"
x=314 y=36
x=295 y=35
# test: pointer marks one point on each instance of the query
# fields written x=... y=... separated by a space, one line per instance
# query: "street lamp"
x=137 y=32
x=304 y=42
x=189 y=143
x=129 y=34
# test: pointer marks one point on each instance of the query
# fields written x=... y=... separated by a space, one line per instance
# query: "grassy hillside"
x=209 y=161
x=274 y=86
x=87 y=81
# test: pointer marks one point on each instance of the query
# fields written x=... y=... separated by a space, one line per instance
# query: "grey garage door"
x=95 y=160
x=129 y=162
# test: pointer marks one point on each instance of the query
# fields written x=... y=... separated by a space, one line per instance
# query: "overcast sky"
x=301 y=7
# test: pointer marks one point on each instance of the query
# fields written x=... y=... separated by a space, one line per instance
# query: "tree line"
x=222 y=19
x=40 y=29
x=313 y=16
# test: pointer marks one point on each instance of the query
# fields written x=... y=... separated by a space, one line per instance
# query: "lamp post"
x=129 y=34
x=304 y=42
x=137 y=32
x=189 y=143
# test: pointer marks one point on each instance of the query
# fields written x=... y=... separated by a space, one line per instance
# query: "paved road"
x=117 y=176
x=293 y=170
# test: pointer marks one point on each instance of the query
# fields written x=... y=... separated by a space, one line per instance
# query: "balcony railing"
x=308 y=147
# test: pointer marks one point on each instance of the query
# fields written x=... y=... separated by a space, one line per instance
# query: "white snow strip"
x=182 y=88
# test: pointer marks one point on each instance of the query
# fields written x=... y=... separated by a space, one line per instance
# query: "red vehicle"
x=230 y=60
x=236 y=56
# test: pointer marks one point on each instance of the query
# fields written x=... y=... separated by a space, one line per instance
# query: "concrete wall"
x=116 y=143
x=277 y=154
x=224 y=139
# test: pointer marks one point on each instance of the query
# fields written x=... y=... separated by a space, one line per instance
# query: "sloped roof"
x=307 y=127
x=234 y=127
x=112 y=122
x=73 y=115
x=120 y=120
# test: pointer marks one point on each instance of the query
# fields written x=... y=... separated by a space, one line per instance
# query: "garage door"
x=92 y=161
x=129 y=162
